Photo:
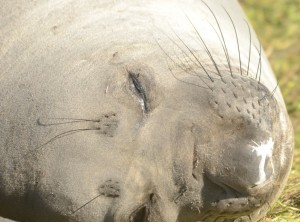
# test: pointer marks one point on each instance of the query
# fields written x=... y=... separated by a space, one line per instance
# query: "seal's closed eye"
x=138 y=89
x=144 y=87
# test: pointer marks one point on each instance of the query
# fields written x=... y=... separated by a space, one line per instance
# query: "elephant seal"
x=137 y=111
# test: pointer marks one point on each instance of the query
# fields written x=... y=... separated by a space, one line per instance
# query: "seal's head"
x=126 y=122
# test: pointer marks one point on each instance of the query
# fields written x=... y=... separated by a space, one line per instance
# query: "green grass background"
x=277 y=24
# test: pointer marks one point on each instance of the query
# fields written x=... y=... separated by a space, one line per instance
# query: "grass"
x=277 y=24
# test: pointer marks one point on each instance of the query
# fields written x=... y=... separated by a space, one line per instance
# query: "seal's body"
x=137 y=111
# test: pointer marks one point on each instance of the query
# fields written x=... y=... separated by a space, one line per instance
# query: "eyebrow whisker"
x=206 y=48
x=260 y=68
x=189 y=83
x=181 y=68
x=224 y=49
x=259 y=61
x=193 y=54
x=237 y=40
x=249 y=57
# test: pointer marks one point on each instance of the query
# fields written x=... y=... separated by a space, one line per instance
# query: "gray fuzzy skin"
x=132 y=111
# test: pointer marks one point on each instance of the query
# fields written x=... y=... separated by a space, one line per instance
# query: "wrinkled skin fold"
x=132 y=111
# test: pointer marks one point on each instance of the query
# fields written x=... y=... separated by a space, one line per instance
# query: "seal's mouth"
x=243 y=208
x=246 y=216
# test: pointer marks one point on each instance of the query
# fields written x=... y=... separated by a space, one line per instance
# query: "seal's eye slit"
x=138 y=90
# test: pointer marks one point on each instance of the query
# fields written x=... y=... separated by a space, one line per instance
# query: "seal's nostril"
x=141 y=215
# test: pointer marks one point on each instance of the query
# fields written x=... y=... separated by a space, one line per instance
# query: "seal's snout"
x=237 y=152
x=248 y=118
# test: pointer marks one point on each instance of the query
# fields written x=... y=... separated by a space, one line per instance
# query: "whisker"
x=188 y=69
x=206 y=48
x=189 y=83
x=67 y=121
x=219 y=27
x=61 y=135
x=84 y=205
x=181 y=68
x=193 y=54
x=224 y=49
x=190 y=59
x=237 y=40
x=249 y=57
x=183 y=51
x=186 y=63
x=271 y=94
x=274 y=90
x=188 y=56
x=259 y=61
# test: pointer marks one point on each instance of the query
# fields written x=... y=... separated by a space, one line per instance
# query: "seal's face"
x=130 y=123
x=234 y=157
x=183 y=152
x=212 y=156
